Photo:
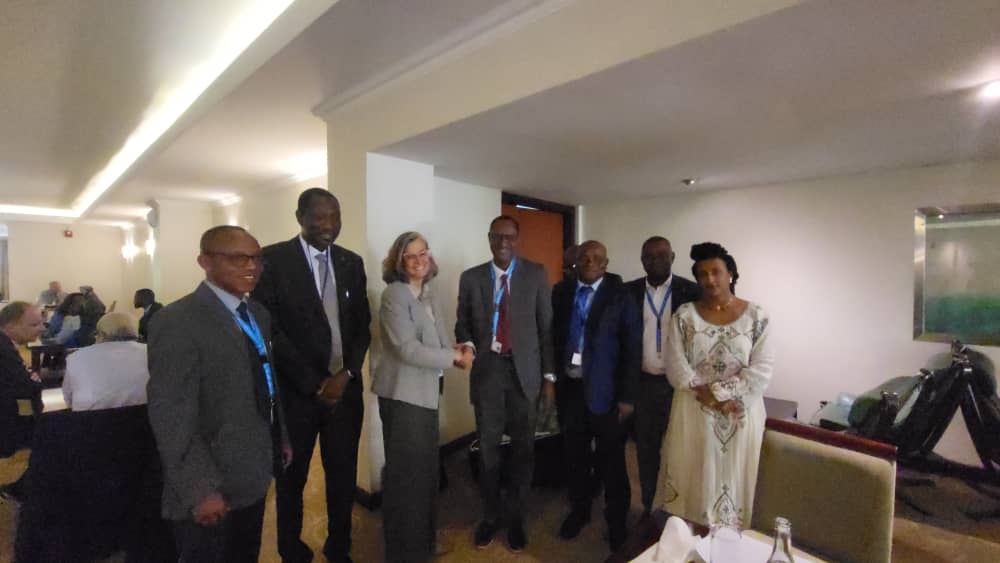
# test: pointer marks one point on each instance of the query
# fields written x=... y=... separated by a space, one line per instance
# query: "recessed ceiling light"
x=991 y=91
x=940 y=216
x=689 y=181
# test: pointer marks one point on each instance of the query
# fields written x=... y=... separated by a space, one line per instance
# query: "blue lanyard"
x=498 y=293
x=659 y=314
x=253 y=332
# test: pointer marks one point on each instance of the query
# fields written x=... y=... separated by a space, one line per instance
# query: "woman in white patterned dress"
x=719 y=362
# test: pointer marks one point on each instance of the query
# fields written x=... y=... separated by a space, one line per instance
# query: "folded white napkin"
x=676 y=542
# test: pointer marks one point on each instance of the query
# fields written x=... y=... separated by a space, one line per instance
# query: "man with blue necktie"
x=597 y=335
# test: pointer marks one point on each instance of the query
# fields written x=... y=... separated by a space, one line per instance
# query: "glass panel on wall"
x=957 y=259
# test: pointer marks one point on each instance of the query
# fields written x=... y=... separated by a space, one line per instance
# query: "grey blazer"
x=415 y=348
x=531 y=320
x=203 y=406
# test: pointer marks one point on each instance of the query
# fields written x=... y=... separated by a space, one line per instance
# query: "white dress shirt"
x=106 y=375
x=319 y=268
x=651 y=361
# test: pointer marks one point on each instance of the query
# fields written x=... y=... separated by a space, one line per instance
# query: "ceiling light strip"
x=244 y=30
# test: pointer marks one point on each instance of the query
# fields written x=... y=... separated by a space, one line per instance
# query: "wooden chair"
x=837 y=490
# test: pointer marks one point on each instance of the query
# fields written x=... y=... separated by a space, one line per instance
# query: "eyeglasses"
x=420 y=256
x=500 y=237
x=239 y=259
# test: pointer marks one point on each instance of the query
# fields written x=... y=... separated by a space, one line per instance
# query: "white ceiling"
x=819 y=89
x=78 y=78
x=823 y=88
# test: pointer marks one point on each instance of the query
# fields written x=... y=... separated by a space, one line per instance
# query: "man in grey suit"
x=212 y=405
x=505 y=313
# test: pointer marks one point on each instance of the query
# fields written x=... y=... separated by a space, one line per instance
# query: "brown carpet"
x=946 y=536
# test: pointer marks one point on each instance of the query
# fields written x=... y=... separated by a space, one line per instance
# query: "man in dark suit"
x=20 y=323
x=657 y=295
x=505 y=313
x=145 y=299
x=597 y=333
x=213 y=405
x=317 y=294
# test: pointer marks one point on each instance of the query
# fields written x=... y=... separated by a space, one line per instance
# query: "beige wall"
x=175 y=270
x=831 y=260
x=404 y=195
x=39 y=253
x=269 y=214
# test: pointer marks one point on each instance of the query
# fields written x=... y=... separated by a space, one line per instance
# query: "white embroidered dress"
x=709 y=467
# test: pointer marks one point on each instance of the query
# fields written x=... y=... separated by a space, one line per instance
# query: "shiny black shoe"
x=516 y=540
x=573 y=523
x=484 y=534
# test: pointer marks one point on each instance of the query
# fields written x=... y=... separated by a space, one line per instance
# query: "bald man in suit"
x=505 y=313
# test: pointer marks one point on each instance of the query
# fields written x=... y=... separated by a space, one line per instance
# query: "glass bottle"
x=782 y=552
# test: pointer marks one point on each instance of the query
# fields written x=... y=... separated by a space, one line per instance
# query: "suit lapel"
x=601 y=298
x=221 y=316
x=486 y=287
x=301 y=274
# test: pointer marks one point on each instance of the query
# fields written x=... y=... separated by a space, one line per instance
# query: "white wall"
x=269 y=214
x=175 y=270
x=831 y=260
x=402 y=196
x=39 y=253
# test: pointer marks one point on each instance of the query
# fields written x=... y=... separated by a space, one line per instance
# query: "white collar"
x=593 y=286
x=670 y=280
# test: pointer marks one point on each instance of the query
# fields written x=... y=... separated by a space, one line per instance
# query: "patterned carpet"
x=942 y=537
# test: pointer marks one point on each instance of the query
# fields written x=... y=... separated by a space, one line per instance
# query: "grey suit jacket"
x=415 y=348
x=531 y=320
x=210 y=431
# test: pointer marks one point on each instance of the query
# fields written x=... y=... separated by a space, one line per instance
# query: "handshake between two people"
x=464 y=356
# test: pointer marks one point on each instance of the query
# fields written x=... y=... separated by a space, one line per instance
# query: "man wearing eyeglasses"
x=317 y=294
x=213 y=405
x=504 y=314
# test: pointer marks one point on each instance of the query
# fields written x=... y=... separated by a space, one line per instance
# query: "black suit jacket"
x=612 y=342
x=301 y=331
x=683 y=291
x=144 y=321
x=15 y=383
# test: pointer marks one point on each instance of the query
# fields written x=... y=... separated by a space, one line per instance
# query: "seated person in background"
x=145 y=299
x=65 y=323
x=93 y=309
x=51 y=297
x=111 y=373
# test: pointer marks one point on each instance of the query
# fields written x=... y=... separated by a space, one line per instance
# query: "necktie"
x=332 y=309
x=242 y=310
x=579 y=319
x=503 y=322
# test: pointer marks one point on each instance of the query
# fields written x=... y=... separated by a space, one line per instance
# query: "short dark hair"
x=146 y=295
x=654 y=239
x=306 y=198
x=392 y=265
x=709 y=250
x=72 y=304
x=211 y=236
x=13 y=312
x=517 y=226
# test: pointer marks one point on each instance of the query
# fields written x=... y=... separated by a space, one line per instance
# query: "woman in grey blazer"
x=417 y=348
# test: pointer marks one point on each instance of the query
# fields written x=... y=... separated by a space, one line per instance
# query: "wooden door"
x=541 y=238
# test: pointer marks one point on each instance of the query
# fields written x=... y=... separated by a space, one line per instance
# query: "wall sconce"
x=129 y=251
